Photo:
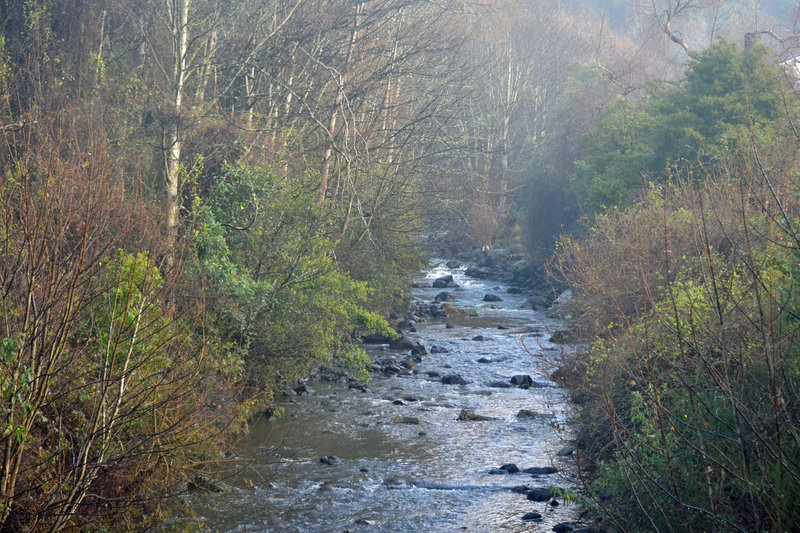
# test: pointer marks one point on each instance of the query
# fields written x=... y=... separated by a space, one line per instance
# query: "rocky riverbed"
x=459 y=429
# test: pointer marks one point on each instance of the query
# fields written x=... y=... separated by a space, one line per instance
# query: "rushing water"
x=403 y=477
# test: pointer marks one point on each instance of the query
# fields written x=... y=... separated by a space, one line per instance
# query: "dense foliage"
x=688 y=296
x=726 y=95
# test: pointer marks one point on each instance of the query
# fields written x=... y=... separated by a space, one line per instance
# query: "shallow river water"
x=400 y=477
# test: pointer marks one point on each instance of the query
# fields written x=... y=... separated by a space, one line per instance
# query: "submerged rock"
x=492 y=298
x=466 y=415
x=511 y=468
x=406 y=420
x=540 y=470
x=330 y=460
x=533 y=515
x=539 y=494
x=454 y=379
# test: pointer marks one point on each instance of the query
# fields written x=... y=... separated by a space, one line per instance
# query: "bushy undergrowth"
x=278 y=296
x=109 y=397
x=689 y=299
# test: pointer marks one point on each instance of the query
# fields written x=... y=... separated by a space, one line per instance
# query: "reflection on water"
x=379 y=475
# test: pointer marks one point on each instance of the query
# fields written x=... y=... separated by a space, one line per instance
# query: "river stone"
x=445 y=282
x=540 y=494
x=401 y=344
x=522 y=381
x=454 y=379
x=477 y=272
x=444 y=297
x=541 y=470
x=492 y=298
x=407 y=420
x=479 y=338
x=466 y=415
x=511 y=468
x=485 y=360
x=408 y=363
x=529 y=413
x=398 y=402
x=565 y=451
x=330 y=460
x=433 y=374
x=565 y=527
x=533 y=515
x=302 y=389
x=419 y=349
x=439 y=349
x=453 y=264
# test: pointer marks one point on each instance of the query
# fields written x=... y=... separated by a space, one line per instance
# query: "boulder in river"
x=492 y=298
x=453 y=264
x=454 y=379
x=539 y=494
x=478 y=272
x=529 y=413
x=540 y=470
x=330 y=460
x=445 y=282
x=565 y=451
x=484 y=360
x=511 y=468
x=406 y=420
x=444 y=296
x=408 y=363
x=466 y=415
x=479 y=338
x=533 y=515
x=537 y=303
x=419 y=349
x=436 y=348
x=522 y=381
x=401 y=344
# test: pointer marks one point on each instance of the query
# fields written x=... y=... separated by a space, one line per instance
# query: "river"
x=390 y=476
